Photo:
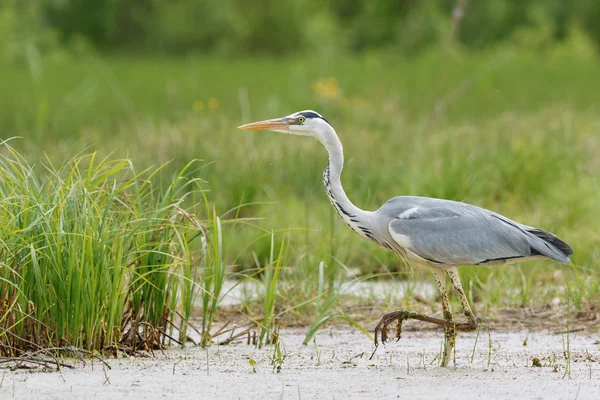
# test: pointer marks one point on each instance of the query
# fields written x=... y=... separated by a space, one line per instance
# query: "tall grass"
x=92 y=254
x=213 y=278
x=268 y=325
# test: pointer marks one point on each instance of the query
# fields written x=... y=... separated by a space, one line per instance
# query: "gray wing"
x=452 y=233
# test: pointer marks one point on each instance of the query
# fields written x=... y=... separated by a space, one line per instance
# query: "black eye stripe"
x=310 y=114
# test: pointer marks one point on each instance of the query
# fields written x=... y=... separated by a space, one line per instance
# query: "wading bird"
x=435 y=233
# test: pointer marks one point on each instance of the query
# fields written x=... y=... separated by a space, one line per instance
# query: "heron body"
x=440 y=234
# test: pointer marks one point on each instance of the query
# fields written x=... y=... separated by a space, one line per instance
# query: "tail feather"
x=552 y=243
x=553 y=240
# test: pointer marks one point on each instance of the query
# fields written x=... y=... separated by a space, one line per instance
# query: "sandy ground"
x=337 y=366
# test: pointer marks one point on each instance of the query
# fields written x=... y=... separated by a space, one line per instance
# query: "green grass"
x=268 y=326
x=514 y=132
x=93 y=255
x=213 y=278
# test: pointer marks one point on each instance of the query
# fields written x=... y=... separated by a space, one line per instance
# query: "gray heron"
x=435 y=233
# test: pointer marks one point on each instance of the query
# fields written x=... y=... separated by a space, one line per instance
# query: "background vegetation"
x=235 y=27
x=498 y=108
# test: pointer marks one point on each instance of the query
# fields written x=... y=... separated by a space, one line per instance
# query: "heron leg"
x=449 y=331
x=472 y=322
x=381 y=330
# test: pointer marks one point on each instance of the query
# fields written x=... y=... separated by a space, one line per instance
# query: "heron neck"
x=332 y=179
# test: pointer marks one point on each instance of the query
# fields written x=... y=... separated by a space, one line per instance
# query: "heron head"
x=304 y=123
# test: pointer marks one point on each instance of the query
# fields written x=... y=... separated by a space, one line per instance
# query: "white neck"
x=352 y=215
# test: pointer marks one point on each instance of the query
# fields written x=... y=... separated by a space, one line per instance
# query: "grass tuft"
x=92 y=255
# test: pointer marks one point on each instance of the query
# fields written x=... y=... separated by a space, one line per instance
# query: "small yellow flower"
x=213 y=103
x=198 y=105
x=327 y=88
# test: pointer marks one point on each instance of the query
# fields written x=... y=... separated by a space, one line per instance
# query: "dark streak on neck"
x=334 y=202
x=340 y=210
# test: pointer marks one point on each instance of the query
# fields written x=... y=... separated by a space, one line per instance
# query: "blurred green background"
x=318 y=27
x=490 y=102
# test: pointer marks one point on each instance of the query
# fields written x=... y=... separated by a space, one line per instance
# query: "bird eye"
x=301 y=119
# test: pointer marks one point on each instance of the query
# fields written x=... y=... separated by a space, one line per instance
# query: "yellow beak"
x=267 y=125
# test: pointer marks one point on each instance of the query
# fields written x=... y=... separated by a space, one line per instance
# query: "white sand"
x=335 y=368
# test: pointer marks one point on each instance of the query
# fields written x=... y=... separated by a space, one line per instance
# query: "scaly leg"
x=381 y=330
x=473 y=322
x=449 y=332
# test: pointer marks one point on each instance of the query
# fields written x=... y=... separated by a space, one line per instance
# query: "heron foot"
x=381 y=330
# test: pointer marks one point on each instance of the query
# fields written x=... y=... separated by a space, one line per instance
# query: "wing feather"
x=459 y=236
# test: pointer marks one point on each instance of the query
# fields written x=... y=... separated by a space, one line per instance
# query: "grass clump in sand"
x=93 y=255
